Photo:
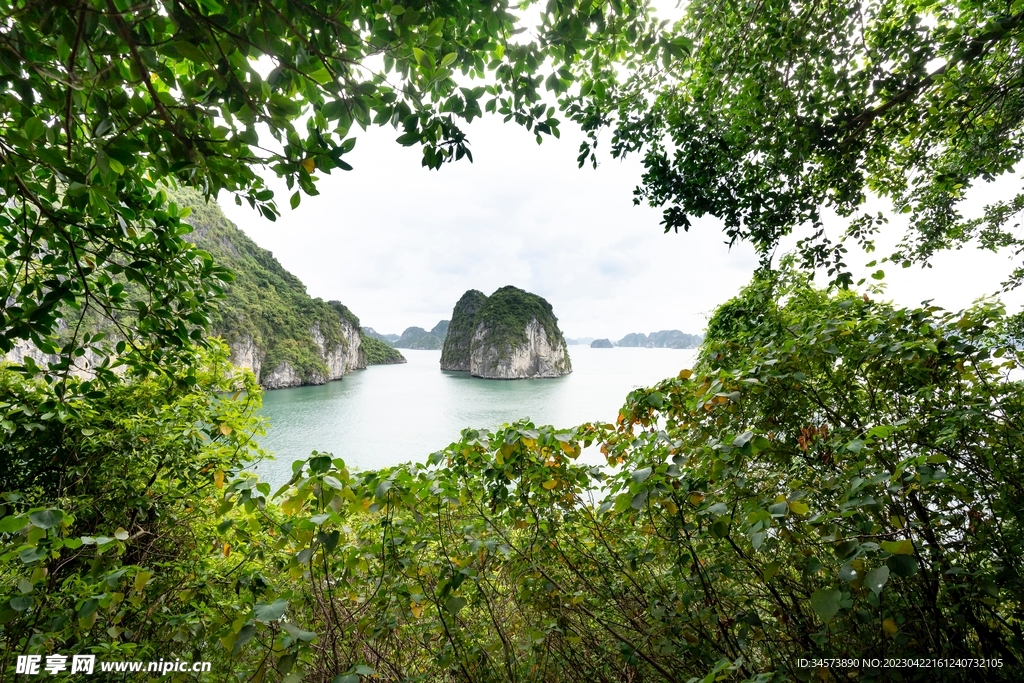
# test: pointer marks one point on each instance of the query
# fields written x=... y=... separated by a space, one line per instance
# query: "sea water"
x=389 y=414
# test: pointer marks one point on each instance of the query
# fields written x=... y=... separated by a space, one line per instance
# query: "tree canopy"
x=105 y=101
x=782 y=112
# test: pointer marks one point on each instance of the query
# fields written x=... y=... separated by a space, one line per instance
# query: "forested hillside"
x=266 y=316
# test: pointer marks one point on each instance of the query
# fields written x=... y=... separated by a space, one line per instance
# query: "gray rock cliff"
x=338 y=359
x=513 y=334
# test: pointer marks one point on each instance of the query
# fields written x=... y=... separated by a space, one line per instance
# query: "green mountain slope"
x=272 y=325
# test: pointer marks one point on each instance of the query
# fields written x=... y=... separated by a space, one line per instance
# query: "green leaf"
x=22 y=602
x=455 y=603
x=720 y=528
x=904 y=547
x=641 y=474
x=12 y=524
x=825 y=602
x=33 y=128
x=46 y=519
x=741 y=440
x=270 y=612
x=30 y=555
x=903 y=566
x=422 y=58
x=298 y=633
x=876 y=579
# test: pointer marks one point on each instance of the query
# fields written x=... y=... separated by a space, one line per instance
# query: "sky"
x=399 y=244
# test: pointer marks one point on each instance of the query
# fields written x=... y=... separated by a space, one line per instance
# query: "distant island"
x=512 y=334
x=413 y=337
x=665 y=339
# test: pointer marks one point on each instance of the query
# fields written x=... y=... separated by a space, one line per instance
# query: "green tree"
x=776 y=113
x=105 y=101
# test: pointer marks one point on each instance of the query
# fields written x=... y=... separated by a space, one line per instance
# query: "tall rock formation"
x=513 y=334
x=455 y=354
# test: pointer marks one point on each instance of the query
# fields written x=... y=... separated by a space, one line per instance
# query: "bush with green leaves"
x=840 y=479
x=107 y=539
x=836 y=477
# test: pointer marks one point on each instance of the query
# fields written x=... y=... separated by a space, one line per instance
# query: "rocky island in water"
x=512 y=334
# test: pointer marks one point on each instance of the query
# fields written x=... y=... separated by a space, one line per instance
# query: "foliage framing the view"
x=104 y=99
x=834 y=476
x=774 y=115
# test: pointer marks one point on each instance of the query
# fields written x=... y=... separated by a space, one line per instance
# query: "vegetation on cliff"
x=264 y=303
x=377 y=352
x=459 y=333
x=507 y=313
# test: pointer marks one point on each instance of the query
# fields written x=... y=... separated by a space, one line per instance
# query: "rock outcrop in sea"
x=601 y=344
x=512 y=334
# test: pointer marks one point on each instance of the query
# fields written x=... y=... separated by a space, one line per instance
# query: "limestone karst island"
x=510 y=335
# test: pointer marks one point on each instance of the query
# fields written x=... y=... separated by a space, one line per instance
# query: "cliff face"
x=337 y=359
x=271 y=324
x=513 y=335
x=538 y=357
x=459 y=333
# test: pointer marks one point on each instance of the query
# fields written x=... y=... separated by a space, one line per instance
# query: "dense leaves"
x=105 y=101
x=107 y=515
x=774 y=115
x=836 y=477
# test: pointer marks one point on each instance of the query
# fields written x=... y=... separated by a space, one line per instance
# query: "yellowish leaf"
x=227 y=549
x=696 y=498
x=550 y=484
x=685 y=374
x=799 y=507
x=417 y=609
x=218 y=479
x=890 y=627
x=309 y=164
x=224 y=429
x=141 y=579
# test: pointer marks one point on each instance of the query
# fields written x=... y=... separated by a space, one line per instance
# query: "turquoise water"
x=388 y=414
